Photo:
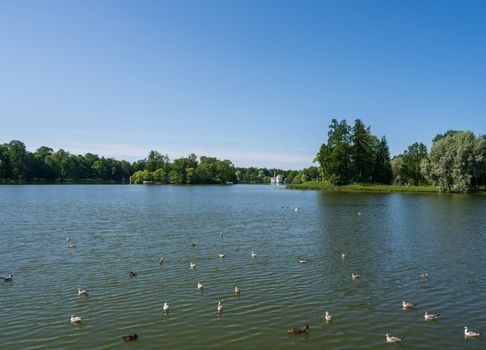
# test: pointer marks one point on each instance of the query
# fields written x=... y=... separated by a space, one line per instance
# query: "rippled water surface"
x=390 y=238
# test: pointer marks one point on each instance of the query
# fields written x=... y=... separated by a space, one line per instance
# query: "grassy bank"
x=359 y=187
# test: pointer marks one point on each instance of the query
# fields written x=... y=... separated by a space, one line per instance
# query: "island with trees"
x=353 y=159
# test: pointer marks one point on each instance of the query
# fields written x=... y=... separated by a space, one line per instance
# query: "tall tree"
x=361 y=152
x=382 y=171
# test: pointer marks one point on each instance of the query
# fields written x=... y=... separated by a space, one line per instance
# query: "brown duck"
x=130 y=337
x=299 y=330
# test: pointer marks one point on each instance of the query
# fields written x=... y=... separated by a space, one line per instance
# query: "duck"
x=131 y=337
x=219 y=308
x=431 y=317
x=8 y=278
x=393 y=339
x=193 y=245
x=200 y=286
x=221 y=255
x=72 y=245
x=76 y=319
x=424 y=275
x=296 y=210
x=192 y=265
x=83 y=292
x=161 y=261
x=132 y=274
x=299 y=330
x=237 y=290
x=408 y=306
x=68 y=239
x=355 y=276
x=253 y=254
x=328 y=316
x=470 y=334
x=302 y=260
x=166 y=308
x=344 y=255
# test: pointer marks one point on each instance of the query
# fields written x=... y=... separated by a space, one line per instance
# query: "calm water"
x=123 y=228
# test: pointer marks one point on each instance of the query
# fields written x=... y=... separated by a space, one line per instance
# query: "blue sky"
x=257 y=82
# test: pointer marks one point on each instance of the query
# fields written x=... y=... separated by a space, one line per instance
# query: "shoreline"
x=358 y=187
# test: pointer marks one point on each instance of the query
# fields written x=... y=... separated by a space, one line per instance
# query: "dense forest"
x=455 y=163
x=17 y=164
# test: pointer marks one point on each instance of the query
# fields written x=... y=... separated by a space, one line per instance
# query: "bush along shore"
x=360 y=187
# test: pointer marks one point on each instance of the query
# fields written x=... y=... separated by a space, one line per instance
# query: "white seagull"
x=393 y=339
x=83 y=292
x=237 y=290
x=161 y=261
x=470 y=334
x=166 y=308
x=424 y=275
x=72 y=245
x=343 y=255
x=253 y=254
x=221 y=255
x=76 y=319
x=219 y=308
x=192 y=265
x=408 y=306
x=430 y=317
x=200 y=286
x=328 y=316
x=355 y=276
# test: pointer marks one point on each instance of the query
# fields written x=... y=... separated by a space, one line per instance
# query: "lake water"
x=390 y=239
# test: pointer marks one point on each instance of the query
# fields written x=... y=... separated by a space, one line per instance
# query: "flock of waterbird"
x=76 y=319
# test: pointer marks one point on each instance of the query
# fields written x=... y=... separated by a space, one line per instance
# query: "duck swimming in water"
x=393 y=339
x=355 y=276
x=83 y=292
x=408 y=306
x=302 y=260
x=166 y=308
x=221 y=255
x=130 y=337
x=299 y=330
x=430 y=317
x=161 y=261
x=237 y=290
x=328 y=316
x=76 y=319
x=219 y=307
x=132 y=274
x=192 y=265
x=200 y=286
x=253 y=254
x=8 y=278
x=424 y=276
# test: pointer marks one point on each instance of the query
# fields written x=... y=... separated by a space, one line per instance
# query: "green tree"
x=456 y=162
x=334 y=157
x=382 y=169
x=361 y=152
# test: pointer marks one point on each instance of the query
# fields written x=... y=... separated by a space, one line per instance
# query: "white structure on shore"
x=276 y=179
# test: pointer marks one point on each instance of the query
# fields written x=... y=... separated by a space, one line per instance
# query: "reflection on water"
x=390 y=239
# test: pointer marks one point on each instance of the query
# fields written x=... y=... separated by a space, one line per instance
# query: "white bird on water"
x=221 y=255
x=355 y=276
x=161 y=261
x=192 y=265
x=219 y=308
x=430 y=317
x=302 y=260
x=393 y=339
x=296 y=210
x=200 y=286
x=237 y=290
x=328 y=316
x=408 y=306
x=166 y=308
x=83 y=292
x=424 y=275
x=470 y=334
x=72 y=245
x=344 y=255
x=253 y=254
x=76 y=319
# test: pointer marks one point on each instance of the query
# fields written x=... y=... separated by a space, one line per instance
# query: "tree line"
x=455 y=163
x=17 y=164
